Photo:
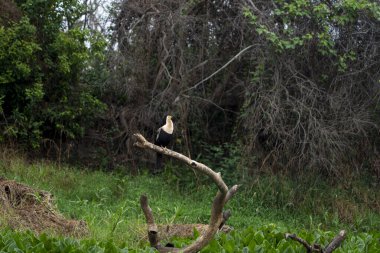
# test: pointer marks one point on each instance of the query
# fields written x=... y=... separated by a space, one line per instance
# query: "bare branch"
x=152 y=227
x=216 y=177
x=220 y=69
x=226 y=215
x=231 y=192
x=334 y=244
x=300 y=240
x=218 y=217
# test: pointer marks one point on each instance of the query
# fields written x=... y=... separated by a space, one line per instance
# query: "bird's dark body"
x=163 y=138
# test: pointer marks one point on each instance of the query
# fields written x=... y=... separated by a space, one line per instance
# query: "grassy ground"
x=109 y=202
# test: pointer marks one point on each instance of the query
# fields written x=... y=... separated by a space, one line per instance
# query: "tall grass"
x=109 y=202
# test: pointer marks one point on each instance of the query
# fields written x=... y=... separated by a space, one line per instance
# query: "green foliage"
x=225 y=158
x=44 y=60
x=109 y=203
x=269 y=238
x=17 y=52
x=21 y=88
x=288 y=15
x=29 y=242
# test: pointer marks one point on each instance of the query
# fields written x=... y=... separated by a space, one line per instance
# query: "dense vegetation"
x=293 y=84
x=45 y=95
x=281 y=97
x=266 y=239
x=108 y=202
x=289 y=85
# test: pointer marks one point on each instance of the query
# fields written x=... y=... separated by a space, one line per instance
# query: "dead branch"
x=221 y=68
x=226 y=215
x=334 y=244
x=216 y=177
x=152 y=227
x=309 y=248
x=217 y=218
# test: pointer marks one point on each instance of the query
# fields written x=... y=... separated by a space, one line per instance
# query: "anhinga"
x=164 y=136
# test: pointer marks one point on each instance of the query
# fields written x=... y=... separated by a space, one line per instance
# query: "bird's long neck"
x=168 y=127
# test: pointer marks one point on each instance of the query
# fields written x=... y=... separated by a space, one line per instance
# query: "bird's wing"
x=158 y=133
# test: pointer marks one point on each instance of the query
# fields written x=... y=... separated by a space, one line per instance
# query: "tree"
x=44 y=96
x=305 y=79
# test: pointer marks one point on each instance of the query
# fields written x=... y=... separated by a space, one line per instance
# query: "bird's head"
x=169 y=124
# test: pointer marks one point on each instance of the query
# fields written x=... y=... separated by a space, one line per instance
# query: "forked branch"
x=217 y=218
x=334 y=244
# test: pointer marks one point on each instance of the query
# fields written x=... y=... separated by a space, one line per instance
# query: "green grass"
x=269 y=238
x=109 y=202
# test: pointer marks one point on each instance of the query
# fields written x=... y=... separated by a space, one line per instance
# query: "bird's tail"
x=158 y=166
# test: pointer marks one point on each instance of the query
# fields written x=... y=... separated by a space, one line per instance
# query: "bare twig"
x=220 y=69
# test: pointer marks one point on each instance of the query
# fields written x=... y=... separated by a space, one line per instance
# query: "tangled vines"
x=220 y=68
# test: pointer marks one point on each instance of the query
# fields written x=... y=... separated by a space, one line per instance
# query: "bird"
x=163 y=138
